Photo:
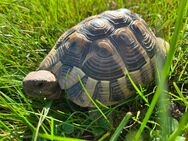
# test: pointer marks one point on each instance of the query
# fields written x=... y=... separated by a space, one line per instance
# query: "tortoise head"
x=41 y=84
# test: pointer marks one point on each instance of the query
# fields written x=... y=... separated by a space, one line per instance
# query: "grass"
x=29 y=29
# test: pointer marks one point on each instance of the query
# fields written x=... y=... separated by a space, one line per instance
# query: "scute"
x=96 y=28
x=128 y=48
x=75 y=93
x=145 y=37
x=103 y=62
x=74 y=50
x=117 y=18
x=116 y=92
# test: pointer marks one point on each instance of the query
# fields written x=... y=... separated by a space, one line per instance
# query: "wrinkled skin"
x=41 y=84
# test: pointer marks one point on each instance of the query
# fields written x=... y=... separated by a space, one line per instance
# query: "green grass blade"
x=183 y=71
x=120 y=127
x=58 y=138
x=180 y=94
x=2 y=125
x=43 y=115
x=107 y=134
x=19 y=111
x=182 y=124
x=85 y=90
x=163 y=113
x=166 y=69
x=52 y=126
x=134 y=85
x=103 y=105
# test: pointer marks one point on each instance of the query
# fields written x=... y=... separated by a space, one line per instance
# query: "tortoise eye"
x=39 y=84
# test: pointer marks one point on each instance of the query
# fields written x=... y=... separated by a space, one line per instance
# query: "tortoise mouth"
x=53 y=93
x=39 y=96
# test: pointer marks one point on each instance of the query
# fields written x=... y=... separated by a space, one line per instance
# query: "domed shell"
x=98 y=51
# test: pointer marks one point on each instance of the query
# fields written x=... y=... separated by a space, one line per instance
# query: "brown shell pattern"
x=99 y=50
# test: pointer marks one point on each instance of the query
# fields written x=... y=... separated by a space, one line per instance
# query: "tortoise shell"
x=99 y=50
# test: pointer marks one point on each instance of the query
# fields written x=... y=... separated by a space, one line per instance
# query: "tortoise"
x=99 y=51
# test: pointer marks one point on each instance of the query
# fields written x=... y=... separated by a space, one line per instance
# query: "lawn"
x=28 y=31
